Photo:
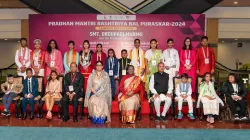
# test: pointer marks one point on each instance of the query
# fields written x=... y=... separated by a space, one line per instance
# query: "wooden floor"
x=144 y=123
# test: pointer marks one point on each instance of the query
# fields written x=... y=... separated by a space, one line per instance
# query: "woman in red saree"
x=132 y=91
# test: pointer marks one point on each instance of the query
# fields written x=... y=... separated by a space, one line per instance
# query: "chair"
x=16 y=100
x=57 y=102
x=38 y=98
x=177 y=80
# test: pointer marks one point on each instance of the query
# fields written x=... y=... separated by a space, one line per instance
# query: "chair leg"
x=16 y=108
x=174 y=112
x=201 y=112
x=194 y=109
x=41 y=109
x=151 y=104
x=38 y=109
x=81 y=110
x=20 y=109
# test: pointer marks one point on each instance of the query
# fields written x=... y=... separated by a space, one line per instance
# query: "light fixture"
x=6 y=39
x=18 y=41
x=236 y=2
x=222 y=41
x=235 y=39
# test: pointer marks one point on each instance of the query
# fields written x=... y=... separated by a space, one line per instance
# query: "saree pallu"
x=129 y=103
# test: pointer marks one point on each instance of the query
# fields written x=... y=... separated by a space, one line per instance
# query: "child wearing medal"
x=37 y=59
x=112 y=68
x=124 y=62
x=152 y=58
x=187 y=56
x=85 y=58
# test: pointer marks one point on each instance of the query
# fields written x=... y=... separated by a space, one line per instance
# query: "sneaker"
x=191 y=116
x=208 y=119
x=164 y=118
x=236 y=117
x=7 y=113
x=158 y=119
x=211 y=120
x=243 y=118
x=4 y=113
x=180 y=115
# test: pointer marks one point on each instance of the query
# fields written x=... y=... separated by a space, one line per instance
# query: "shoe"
x=236 y=117
x=75 y=119
x=191 y=116
x=66 y=118
x=24 y=116
x=31 y=115
x=8 y=113
x=179 y=115
x=243 y=118
x=158 y=119
x=208 y=119
x=4 y=113
x=211 y=120
x=164 y=118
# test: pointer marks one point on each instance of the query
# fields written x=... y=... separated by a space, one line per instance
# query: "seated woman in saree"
x=98 y=95
x=129 y=99
x=209 y=98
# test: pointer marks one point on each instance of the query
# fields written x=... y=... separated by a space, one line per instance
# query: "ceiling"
x=230 y=3
x=12 y=4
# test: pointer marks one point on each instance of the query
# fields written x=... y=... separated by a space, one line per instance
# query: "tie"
x=29 y=87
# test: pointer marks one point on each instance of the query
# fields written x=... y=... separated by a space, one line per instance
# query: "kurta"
x=38 y=60
x=96 y=58
x=137 y=60
x=54 y=60
x=22 y=58
x=202 y=54
x=69 y=57
x=129 y=99
x=189 y=55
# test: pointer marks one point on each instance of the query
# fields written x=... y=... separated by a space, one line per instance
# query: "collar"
x=29 y=78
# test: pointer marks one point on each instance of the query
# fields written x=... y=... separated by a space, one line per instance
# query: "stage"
x=116 y=123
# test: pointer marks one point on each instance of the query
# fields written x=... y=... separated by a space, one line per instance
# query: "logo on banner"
x=116 y=17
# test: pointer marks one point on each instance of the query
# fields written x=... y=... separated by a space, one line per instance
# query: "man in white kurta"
x=170 y=58
x=22 y=58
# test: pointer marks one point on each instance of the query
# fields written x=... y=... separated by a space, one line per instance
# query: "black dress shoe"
x=32 y=116
x=66 y=118
x=75 y=119
x=24 y=116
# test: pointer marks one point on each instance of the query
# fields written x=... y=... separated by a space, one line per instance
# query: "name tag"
x=187 y=62
x=183 y=93
x=138 y=64
x=8 y=92
x=84 y=63
x=36 y=63
x=124 y=72
x=71 y=88
x=206 y=60
x=154 y=62
x=111 y=73
x=23 y=62
x=52 y=63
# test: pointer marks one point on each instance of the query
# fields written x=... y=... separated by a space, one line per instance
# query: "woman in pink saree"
x=188 y=61
x=131 y=89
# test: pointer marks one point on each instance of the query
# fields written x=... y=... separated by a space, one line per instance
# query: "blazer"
x=77 y=83
x=34 y=84
x=120 y=65
x=115 y=67
x=228 y=90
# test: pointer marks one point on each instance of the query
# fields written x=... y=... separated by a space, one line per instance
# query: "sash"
x=23 y=57
x=70 y=60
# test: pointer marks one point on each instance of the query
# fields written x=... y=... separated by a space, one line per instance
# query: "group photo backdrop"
x=115 y=31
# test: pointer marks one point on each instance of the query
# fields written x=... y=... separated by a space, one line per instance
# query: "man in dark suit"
x=30 y=92
x=73 y=84
x=123 y=64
